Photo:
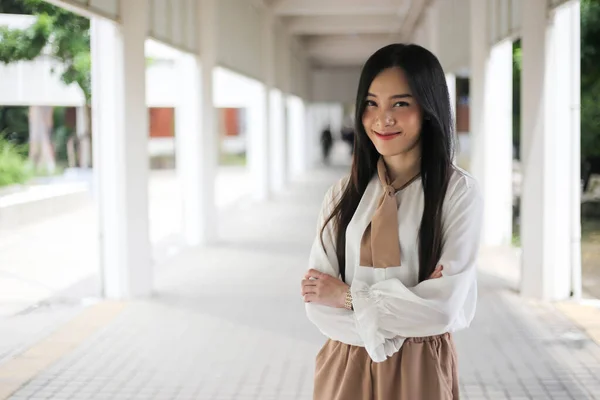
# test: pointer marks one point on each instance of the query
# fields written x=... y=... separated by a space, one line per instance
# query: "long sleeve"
x=336 y=323
x=389 y=309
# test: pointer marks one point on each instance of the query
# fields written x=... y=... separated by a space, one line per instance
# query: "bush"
x=14 y=168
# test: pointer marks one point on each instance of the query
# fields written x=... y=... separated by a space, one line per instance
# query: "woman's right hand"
x=437 y=272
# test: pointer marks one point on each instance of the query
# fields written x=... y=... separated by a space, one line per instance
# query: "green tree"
x=64 y=35
x=516 y=110
x=60 y=34
x=590 y=78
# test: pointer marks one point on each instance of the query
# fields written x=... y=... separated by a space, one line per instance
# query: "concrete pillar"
x=491 y=127
x=197 y=138
x=259 y=147
x=278 y=142
x=120 y=123
x=572 y=24
x=83 y=136
x=550 y=226
x=258 y=142
x=195 y=153
x=451 y=82
x=298 y=143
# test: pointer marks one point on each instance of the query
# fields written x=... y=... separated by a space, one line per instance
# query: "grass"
x=232 y=159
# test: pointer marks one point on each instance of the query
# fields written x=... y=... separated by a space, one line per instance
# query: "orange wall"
x=161 y=122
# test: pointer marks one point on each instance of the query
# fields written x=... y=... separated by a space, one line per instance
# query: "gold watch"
x=348 y=304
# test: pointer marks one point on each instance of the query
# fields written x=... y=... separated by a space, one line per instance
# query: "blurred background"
x=162 y=164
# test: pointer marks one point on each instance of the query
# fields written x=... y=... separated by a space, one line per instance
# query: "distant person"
x=392 y=271
x=348 y=137
x=326 y=144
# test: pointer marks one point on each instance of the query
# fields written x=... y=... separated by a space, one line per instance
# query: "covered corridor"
x=223 y=318
x=294 y=66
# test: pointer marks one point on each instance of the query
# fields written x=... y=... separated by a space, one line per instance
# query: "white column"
x=298 y=144
x=120 y=122
x=209 y=135
x=278 y=150
x=497 y=147
x=83 y=136
x=479 y=58
x=491 y=127
x=431 y=28
x=573 y=33
x=194 y=157
x=259 y=153
x=258 y=142
x=550 y=227
x=451 y=83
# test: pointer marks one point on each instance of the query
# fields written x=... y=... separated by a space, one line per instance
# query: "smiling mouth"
x=387 y=136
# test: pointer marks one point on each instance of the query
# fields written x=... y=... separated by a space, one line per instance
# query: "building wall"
x=240 y=44
x=335 y=85
x=161 y=122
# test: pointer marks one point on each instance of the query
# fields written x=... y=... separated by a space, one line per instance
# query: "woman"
x=392 y=269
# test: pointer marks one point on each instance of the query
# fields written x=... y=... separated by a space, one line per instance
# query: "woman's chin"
x=388 y=151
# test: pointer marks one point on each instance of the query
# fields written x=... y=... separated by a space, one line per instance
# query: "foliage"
x=590 y=120
x=14 y=168
x=590 y=78
x=516 y=113
x=61 y=134
x=14 y=122
x=58 y=33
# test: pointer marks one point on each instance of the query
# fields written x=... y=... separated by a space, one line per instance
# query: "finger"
x=308 y=289
x=310 y=298
x=313 y=273
x=437 y=269
x=434 y=273
x=308 y=282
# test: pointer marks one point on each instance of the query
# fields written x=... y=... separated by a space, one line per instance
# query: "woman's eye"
x=371 y=103
x=401 y=104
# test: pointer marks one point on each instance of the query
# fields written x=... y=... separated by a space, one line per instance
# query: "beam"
x=340 y=46
x=339 y=25
x=339 y=7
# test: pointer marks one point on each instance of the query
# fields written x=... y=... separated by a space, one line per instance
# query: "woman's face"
x=392 y=117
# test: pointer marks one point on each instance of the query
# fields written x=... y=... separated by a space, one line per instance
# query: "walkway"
x=227 y=322
x=57 y=254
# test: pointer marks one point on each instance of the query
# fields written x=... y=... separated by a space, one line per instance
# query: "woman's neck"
x=403 y=167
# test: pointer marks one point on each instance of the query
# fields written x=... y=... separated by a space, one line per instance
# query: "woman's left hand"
x=324 y=289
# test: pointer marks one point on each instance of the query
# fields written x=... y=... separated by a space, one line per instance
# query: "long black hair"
x=427 y=82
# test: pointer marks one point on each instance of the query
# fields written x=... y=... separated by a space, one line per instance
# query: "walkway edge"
x=586 y=316
x=21 y=369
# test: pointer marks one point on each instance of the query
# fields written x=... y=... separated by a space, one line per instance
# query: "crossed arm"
x=389 y=309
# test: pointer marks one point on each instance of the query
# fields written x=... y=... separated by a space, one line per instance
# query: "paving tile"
x=227 y=323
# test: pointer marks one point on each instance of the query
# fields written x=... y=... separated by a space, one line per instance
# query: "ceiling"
x=343 y=33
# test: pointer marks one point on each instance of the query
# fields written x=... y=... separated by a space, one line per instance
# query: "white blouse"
x=389 y=305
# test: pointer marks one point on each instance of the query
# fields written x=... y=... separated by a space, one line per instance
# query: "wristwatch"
x=348 y=304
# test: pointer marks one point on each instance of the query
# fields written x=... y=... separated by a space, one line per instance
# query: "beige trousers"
x=424 y=369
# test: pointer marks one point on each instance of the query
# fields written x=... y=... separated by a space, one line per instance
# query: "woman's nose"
x=386 y=119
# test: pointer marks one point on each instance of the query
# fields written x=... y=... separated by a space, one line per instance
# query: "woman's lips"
x=387 y=136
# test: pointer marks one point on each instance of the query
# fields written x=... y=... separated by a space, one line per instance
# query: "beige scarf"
x=380 y=244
